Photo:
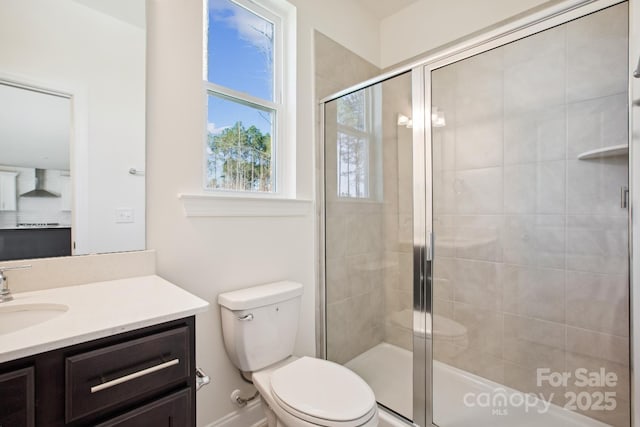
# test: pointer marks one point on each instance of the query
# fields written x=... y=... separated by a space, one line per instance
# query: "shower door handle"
x=636 y=73
x=430 y=248
x=624 y=197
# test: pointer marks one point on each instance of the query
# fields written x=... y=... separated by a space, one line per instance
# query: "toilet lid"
x=323 y=390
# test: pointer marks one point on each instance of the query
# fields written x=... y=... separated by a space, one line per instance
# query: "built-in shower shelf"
x=600 y=153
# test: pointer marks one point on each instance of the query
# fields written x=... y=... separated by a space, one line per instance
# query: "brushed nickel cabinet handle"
x=134 y=375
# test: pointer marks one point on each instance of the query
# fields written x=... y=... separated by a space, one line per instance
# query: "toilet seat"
x=323 y=393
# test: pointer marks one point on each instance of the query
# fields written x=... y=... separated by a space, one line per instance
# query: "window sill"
x=208 y=205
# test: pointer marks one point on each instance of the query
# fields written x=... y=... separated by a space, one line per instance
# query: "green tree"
x=240 y=159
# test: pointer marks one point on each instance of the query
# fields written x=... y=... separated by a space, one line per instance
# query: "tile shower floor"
x=388 y=370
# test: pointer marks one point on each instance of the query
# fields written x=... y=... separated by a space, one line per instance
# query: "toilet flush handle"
x=202 y=379
x=247 y=317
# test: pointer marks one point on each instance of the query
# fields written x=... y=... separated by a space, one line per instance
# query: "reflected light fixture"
x=405 y=121
x=437 y=118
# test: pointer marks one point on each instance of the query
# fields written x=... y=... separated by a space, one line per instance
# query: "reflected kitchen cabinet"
x=8 y=191
x=65 y=193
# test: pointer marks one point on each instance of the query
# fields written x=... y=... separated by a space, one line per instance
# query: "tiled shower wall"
x=531 y=243
x=354 y=230
x=369 y=273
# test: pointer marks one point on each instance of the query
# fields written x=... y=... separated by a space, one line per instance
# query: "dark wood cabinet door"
x=17 y=399
x=115 y=376
x=170 y=411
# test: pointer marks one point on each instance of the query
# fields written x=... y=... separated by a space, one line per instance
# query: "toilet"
x=259 y=326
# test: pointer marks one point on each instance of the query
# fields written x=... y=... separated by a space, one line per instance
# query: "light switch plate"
x=124 y=215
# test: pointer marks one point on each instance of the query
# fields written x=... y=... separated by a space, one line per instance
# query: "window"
x=357 y=147
x=244 y=83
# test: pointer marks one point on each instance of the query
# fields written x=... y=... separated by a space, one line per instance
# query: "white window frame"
x=282 y=15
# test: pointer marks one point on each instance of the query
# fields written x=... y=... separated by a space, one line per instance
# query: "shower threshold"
x=388 y=370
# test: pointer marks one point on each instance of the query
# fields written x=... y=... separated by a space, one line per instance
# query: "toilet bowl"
x=310 y=392
x=259 y=326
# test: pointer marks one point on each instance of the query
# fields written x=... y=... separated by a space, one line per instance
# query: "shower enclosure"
x=475 y=226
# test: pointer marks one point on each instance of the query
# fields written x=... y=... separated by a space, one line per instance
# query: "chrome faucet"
x=5 y=292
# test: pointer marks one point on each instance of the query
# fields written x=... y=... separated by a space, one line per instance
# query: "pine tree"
x=240 y=159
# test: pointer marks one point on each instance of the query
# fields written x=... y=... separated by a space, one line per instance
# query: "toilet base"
x=272 y=420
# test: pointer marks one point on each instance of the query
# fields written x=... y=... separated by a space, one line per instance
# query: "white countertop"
x=97 y=310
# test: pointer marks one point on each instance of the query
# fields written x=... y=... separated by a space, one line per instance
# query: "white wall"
x=208 y=256
x=427 y=24
x=68 y=47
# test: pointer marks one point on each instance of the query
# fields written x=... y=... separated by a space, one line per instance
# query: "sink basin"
x=20 y=316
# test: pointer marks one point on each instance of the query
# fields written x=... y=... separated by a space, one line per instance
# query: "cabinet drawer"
x=17 y=399
x=170 y=411
x=120 y=374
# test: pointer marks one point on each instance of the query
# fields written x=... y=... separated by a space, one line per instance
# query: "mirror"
x=72 y=127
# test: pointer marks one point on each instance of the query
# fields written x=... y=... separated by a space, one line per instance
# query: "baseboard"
x=249 y=416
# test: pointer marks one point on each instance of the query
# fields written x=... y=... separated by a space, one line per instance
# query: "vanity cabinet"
x=144 y=377
x=169 y=411
x=17 y=398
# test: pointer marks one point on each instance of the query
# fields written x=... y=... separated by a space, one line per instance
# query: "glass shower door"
x=369 y=238
x=531 y=274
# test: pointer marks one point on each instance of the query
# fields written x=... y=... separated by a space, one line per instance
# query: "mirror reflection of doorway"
x=35 y=176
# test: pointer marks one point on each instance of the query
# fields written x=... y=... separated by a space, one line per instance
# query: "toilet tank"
x=259 y=324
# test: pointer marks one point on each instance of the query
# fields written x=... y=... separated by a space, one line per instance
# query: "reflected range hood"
x=40 y=190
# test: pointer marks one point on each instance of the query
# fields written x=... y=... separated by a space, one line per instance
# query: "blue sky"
x=238 y=52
